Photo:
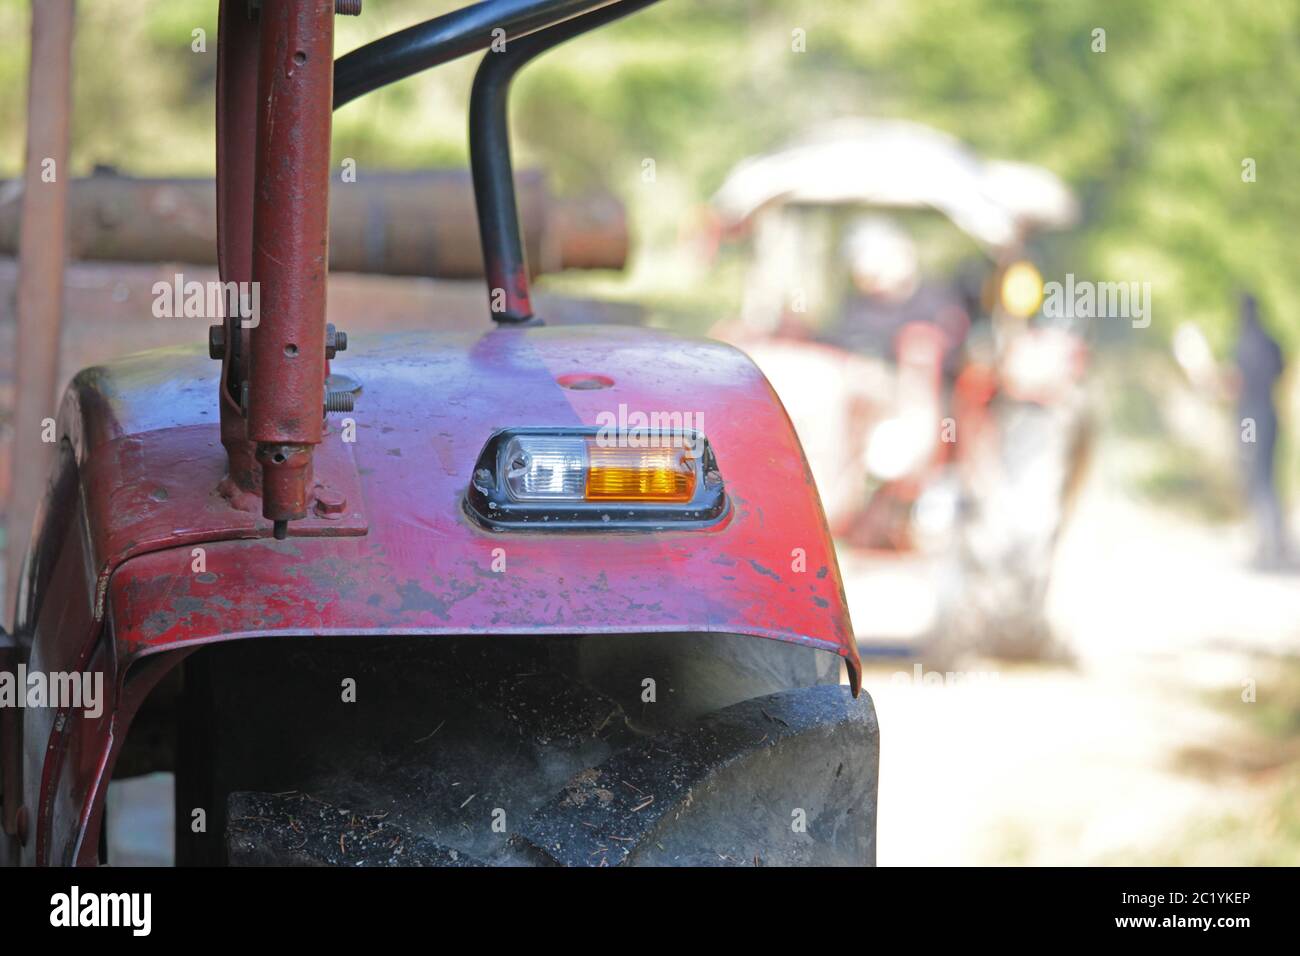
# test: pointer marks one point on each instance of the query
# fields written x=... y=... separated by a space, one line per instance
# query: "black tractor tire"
x=601 y=750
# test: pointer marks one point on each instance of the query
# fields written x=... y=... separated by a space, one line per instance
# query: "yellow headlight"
x=1022 y=289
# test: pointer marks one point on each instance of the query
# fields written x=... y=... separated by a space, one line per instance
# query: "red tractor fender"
x=114 y=582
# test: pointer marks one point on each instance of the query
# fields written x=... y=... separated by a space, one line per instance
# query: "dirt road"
x=1142 y=750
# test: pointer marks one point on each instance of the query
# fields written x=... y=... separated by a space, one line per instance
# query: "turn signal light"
x=578 y=478
x=639 y=474
x=580 y=468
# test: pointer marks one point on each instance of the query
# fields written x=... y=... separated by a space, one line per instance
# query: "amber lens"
x=639 y=474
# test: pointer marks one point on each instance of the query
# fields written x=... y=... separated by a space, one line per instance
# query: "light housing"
x=580 y=478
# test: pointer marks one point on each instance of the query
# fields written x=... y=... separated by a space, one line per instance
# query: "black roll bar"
x=443 y=39
x=505 y=262
x=531 y=27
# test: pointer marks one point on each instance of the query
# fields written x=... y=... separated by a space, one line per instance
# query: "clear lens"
x=543 y=467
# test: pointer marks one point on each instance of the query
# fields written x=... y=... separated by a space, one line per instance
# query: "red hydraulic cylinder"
x=290 y=249
x=237 y=65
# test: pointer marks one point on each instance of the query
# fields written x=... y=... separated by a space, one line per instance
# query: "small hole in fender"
x=585 y=381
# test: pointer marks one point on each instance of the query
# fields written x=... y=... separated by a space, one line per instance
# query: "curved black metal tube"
x=504 y=260
x=443 y=39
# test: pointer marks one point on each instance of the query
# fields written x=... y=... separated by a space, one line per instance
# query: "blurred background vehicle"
x=949 y=421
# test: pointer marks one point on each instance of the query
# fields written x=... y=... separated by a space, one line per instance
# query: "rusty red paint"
x=158 y=491
x=291 y=246
x=583 y=381
x=429 y=402
x=330 y=504
x=237 y=58
x=83 y=848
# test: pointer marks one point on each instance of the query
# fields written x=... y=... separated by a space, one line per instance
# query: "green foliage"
x=1152 y=132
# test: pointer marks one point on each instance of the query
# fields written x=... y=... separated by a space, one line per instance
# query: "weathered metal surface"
x=237 y=79
x=160 y=490
x=427 y=405
x=41 y=254
x=418 y=223
x=55 y=788
x=291 y=248
x=107 y=197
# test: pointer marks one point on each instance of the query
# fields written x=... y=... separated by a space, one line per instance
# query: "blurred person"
x=1260 y=364
x=888 y=292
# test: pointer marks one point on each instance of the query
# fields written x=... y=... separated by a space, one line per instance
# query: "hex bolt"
x=216 y=342
x=335 y=341
x=347 y=8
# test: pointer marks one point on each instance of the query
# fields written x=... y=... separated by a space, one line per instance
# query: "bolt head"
x=335 y=341
x=329 y=503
